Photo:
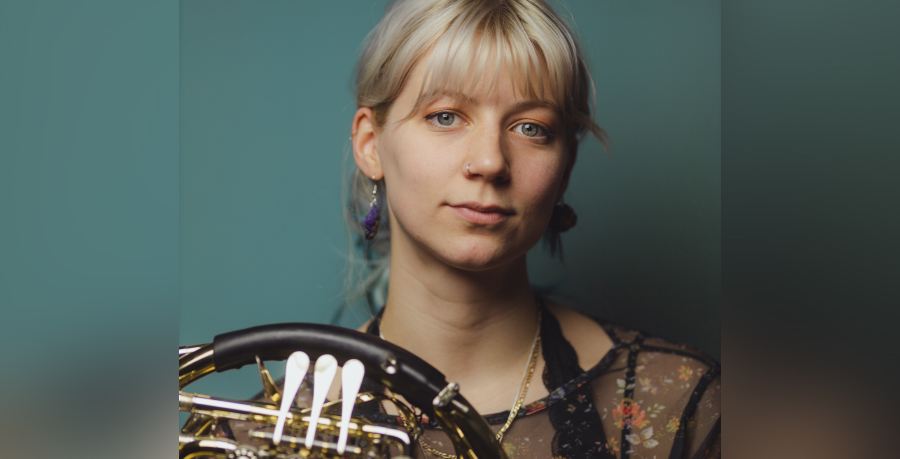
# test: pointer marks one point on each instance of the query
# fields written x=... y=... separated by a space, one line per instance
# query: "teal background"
x=88 y=228
x=265 y=109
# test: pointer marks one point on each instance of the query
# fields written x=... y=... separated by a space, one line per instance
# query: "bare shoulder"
x=590 y=340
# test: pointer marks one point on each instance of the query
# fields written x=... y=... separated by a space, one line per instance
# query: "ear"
x=571 y=155
x=364 y=137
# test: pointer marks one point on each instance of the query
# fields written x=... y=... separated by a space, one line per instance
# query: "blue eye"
x=444 y=118
x=529 y=129
x=532 y=130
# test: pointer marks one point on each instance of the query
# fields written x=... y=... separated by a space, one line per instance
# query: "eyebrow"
x=530 y=104
x=470 y=100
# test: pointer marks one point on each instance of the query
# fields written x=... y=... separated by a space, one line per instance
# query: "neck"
x=477 y=328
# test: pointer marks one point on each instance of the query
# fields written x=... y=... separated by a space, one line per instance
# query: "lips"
x=481 y=213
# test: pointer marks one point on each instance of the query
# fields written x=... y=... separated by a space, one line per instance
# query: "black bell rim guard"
x=395 y=366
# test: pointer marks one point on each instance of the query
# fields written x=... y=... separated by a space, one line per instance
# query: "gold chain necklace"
x=520 y=397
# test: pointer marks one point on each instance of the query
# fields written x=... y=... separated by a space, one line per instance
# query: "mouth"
x=482 y=214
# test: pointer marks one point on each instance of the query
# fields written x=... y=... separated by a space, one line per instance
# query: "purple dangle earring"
x=373 y=219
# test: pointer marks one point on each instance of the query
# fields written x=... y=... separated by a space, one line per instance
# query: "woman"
x=470 y=114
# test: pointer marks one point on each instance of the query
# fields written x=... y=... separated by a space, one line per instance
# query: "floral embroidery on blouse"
x=629 y=414
x=643 y=439
x=622 y=386
x=647 y=385
x=672 y=425
x=612 y=445
x=685 y=372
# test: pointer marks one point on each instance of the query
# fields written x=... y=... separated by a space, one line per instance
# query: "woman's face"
x=472 y=179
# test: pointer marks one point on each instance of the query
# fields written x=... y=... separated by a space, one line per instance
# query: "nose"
x=488 y=158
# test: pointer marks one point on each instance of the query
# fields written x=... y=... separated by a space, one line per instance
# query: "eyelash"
x=548 y=134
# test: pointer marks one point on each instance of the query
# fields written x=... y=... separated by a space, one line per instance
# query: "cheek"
x=541 y=179
x=416 y=176
x=408 y=165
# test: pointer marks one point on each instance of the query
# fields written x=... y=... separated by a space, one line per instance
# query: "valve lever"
x=351 y=380
x=269 y=386
x=294 y=371
x=326 y=368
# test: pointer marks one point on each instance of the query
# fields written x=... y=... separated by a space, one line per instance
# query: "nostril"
x=491 y=169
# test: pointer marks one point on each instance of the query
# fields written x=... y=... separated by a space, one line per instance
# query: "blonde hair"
x=525 y=36
x=467 y=41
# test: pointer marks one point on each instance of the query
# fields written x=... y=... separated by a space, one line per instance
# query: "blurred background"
x=265 y=108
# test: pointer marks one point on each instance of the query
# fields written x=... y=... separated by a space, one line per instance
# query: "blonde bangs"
x=477 y=48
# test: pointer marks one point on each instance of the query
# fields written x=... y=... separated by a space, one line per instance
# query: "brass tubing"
x=194 y=365
x=467 y=428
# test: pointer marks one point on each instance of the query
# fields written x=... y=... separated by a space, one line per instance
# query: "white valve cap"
x=351 y=380
x=294 y=372
x=326 y=368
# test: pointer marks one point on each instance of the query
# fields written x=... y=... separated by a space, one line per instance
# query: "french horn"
x=287 y=431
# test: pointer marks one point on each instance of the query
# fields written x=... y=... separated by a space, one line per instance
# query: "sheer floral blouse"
x=645 y=399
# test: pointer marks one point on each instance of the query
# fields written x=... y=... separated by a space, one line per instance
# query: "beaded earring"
x=563 y=217
x=373 y=219
x=562 y=220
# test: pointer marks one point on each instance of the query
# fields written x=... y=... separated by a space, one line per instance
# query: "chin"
x=478 y=256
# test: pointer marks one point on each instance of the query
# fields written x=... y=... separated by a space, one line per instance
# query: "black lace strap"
x=560 y=358
x=577 y=425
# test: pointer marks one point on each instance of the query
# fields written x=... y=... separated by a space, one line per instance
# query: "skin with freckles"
x=471 y=182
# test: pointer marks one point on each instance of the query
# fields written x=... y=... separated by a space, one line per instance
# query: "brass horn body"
x=206 y=432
